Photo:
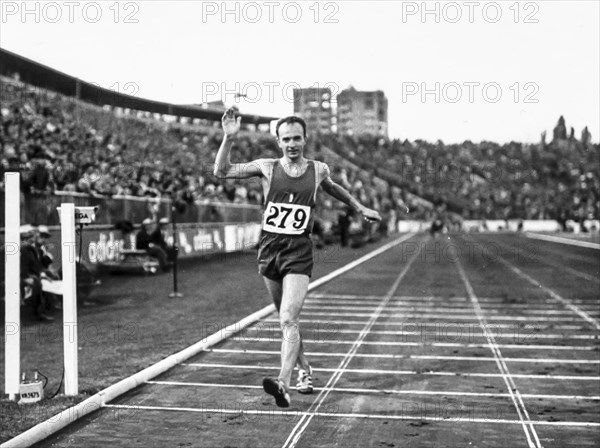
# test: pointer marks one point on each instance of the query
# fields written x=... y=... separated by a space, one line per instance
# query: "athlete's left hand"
x=370 y=215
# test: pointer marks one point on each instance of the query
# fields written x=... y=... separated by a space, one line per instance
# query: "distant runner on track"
x=285 y=254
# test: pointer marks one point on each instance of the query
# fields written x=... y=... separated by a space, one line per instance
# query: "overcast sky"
x=476 y=70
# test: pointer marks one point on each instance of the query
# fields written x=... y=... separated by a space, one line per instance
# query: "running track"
x=465 y=340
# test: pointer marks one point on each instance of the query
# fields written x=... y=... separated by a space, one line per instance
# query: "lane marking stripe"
x=250 y=339
x=403 y=372
x=451 y=324
x=553 y=294
x=437 y=299
x=525 y=334
x=385 y=391
x=557 y=239
x=445 y=316
x=359 y=261
x=399 y=310
x=277 y=412
x=546 y=259
x=500 y=362
x=387 y=355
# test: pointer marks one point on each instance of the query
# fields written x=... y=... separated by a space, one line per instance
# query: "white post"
x=12 y=271
x=70 y=342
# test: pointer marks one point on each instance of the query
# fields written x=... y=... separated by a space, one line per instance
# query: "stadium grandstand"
x=66 y=136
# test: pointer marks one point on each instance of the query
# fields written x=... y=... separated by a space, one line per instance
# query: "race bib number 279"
x=288 y=219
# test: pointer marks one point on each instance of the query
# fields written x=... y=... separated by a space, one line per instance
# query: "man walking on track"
x=285 y=254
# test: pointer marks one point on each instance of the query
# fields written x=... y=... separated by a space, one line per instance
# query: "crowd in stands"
x=60 y=144
x=557 y=180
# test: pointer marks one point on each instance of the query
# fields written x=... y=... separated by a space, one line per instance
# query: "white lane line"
x=557 y=239
x=360 y=260
x=485 y=302
x=535 y=301
x=523 y=335
x=303 y=423
x=398 y=310
x=552 y=294
x=575 y=272
x=530 y=432
x=404 y=372
x=277 y=340
x=562 y=267
x=446 y=316
x=287 y=414
x=426 y=334
x=344 y=296
x=451 y=325
x=542 y=308
x=354 y=390
x=400 y=356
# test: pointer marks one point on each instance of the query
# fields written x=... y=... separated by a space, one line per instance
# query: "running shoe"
x=276 y=388
x=305 y=385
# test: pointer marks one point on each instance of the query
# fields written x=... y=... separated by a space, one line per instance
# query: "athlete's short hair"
x=290 y=120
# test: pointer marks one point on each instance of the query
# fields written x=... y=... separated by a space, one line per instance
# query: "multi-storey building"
x=313 y=104
x=362 y=112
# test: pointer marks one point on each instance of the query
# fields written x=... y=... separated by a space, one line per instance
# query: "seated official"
x=143 y=241
x=31 y=272
x=158 y=238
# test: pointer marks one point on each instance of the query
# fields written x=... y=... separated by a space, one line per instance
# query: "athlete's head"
x=290 y=120
x=291 y=137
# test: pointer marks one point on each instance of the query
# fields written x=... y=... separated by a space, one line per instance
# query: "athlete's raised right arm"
x=223 y=166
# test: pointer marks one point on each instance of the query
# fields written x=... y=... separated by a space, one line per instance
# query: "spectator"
x=344 y=218
x=158 y=237
x=42 y=234
x=31 y=272
x=143 y=241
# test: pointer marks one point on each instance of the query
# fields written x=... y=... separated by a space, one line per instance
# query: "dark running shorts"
x=279 y=255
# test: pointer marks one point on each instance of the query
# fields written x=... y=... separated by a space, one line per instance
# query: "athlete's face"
x=291 y=140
